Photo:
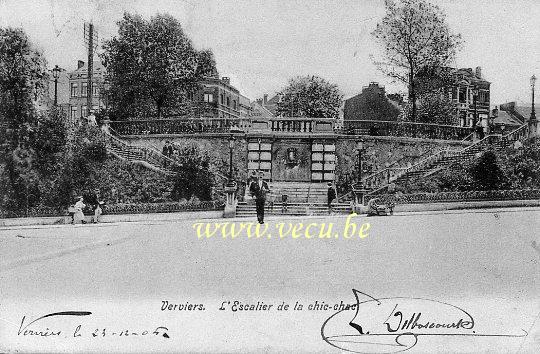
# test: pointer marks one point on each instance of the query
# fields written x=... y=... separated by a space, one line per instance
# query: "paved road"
x=483 y=261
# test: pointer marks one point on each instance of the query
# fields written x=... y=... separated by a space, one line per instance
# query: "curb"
x=106 y=219
x=60 y=221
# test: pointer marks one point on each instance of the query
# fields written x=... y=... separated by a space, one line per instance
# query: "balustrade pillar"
x=359 y=193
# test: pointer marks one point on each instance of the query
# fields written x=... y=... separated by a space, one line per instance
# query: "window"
x=84 y=89
x=95 y=90
x=83 y=111
x=228 y=101
x=221 y=98
x=208 y=97
x=73 y=114
x=73 y=89
x=462 y=94
x=234 y=104
x=454 y=93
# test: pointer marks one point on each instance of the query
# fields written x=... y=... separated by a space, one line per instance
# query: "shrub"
x=192 y=177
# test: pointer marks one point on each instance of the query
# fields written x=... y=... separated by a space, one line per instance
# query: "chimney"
x=479 y=71
x=265 y=98
x=80 y=64
x=226 y=80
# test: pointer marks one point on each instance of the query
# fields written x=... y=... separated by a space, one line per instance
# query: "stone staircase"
x=151 y=158
x=303 y=198
x=379 y=181
x=298 y=192
x=147 y=157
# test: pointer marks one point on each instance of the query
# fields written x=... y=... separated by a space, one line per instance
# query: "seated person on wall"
x=374 y=208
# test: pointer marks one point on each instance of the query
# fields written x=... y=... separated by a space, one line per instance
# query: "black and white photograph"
x=269 y=176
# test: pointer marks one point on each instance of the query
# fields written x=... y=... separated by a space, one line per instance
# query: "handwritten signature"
x=36 y=328
x=391 y=325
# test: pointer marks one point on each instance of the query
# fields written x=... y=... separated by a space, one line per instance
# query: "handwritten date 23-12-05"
x=37 y=328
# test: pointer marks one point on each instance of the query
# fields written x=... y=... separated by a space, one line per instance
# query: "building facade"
x=217 y=98
x=245 y=107
x=78 y=90
x=471 y=96
x=269 y=104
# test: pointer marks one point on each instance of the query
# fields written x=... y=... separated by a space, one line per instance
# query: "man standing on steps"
x=258 y=190
x=331 y=195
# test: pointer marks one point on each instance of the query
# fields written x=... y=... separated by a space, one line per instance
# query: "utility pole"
x=90 y=37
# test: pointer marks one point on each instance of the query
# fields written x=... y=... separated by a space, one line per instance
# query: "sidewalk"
x=218 y=214
x=466 y=205
x=63 y=220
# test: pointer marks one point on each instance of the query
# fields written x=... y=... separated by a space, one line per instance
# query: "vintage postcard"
x=269 y=176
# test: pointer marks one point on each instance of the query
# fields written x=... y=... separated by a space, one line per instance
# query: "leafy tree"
x=432 y=107
x=50 y=139
x=152 y=67
x=23 y=77
x=23 y=191
x=487 y=173
x=415 y=39
x=192 y=176
x=310 y=96
x=522 y=165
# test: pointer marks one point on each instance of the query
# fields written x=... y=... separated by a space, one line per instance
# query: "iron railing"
x=405 y=129
x=442 y=197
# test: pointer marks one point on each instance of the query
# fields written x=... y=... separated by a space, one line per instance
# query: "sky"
x=260 y=45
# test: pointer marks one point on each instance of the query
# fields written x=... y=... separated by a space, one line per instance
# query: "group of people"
x=169 y=150
x=77 y=210
x=258 y=189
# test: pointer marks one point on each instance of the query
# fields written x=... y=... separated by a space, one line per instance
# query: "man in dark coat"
x=331 y=196
x=170 y=151
x=165 y=150
x=258 y=190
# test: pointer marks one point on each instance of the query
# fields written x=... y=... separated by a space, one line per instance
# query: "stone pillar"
x=533 y=127
x=230 y=203
x=359 y=193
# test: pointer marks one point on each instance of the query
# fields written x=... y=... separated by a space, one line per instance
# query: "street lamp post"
x=491 y=126
x=56 y=74
x=533 y=82
x=503 y=127
x=231 y=147
x=358 y=188
x=230 y=188
x=475 y=92
x=533 y=122
x=360 y=149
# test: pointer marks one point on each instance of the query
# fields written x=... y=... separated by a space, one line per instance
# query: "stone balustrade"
x=405 y=129
x=287 y=126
